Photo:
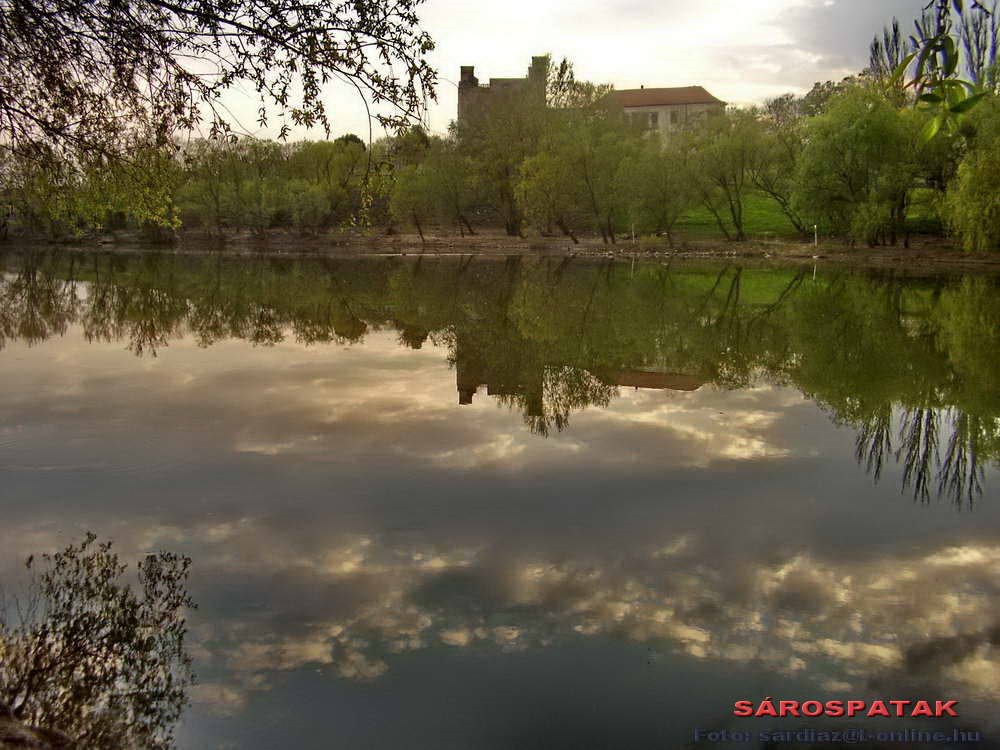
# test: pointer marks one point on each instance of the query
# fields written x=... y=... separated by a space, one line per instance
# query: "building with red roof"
x=667 y=109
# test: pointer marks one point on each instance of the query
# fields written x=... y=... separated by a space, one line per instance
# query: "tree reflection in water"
x=89 y=655
x=954 y=470
x=907 y=362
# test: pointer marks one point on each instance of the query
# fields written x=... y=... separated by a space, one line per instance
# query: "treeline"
x=852 y=159
x=848 y=159
x=214 y=184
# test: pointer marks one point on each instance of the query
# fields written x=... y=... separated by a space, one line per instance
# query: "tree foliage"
x=102 y=76
x=658 y=186
x=496 y=139
x=972 y=205
x=725 y=152
x=859 y=163
x=256 y=185
x=567 y=160
x=573 y=179
x=439 y=188
x=57 y=198
x=776 y=155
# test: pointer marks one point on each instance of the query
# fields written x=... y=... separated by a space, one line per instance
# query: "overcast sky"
x=743 y=51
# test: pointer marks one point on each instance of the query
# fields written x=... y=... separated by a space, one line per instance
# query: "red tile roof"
x=664 y=97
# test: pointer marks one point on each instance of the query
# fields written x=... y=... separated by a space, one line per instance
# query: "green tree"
x=819 y=96
x=972 y=205
x=411 y=202
x=496 y=139
x=439 y=187
x=775 y=157
x=450 y=185
x=62 y=199
x=338 y=169
x=725 y=149
x=407 y=147
x=307 y=204
x=551 y=194
x=572 y=175
x=204 y=197
x=658 y=186
x=862 y=157
x=564 y=91
x=597 y=147
x=257 y=184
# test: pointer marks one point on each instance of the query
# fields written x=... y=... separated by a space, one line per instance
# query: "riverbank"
x=924 y=251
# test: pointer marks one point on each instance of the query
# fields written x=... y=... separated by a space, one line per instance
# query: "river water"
x=456 y=502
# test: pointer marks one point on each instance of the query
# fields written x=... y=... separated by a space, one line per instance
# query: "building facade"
x=665 y=110
x=662 y=110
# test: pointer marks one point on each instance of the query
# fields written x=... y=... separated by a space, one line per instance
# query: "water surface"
x=455 y=502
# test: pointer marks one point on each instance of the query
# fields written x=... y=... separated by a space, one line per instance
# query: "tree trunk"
x=566 y=230
x=718 y=218
x=420 y=229
x=736 y=211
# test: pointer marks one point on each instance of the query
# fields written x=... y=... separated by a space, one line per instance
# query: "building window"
x=675 y=117
x=654 y=120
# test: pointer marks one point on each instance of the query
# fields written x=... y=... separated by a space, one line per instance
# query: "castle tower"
x=468 y=90
x=474 y=97
x=538 y=75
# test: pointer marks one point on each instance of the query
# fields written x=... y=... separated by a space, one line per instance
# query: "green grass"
x=762 y=218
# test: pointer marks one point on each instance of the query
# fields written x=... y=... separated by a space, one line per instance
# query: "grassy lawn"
x=762 y=217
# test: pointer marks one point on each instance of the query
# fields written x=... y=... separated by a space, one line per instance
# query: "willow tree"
x=860 y=161
x=972 y=204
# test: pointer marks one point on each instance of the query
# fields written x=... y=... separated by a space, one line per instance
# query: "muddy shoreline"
x=924 y=252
